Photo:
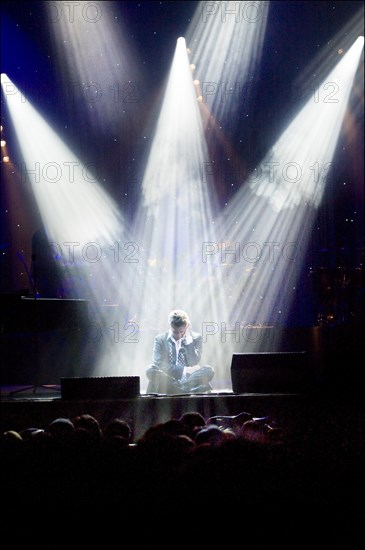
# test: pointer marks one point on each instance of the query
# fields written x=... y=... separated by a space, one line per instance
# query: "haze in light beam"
x=98 y=67
x=226 y=40
x=94 y=247
x=174 y=217
x=265 y=229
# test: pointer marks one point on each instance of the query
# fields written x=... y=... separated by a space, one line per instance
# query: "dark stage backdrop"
x=332 y=284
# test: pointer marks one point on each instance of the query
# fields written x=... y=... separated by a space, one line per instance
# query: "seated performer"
x=176 y=356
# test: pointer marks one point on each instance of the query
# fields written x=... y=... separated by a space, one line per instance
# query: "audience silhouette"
x=281 y=483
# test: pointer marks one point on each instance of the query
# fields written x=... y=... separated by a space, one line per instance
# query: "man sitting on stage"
x=176 y=356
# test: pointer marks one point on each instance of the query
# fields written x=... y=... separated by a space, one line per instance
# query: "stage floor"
x=25 y=407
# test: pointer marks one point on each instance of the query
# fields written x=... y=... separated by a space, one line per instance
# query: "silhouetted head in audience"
x=255 y=431
x=193 y=421
x=88 y=423
x=163 y=431
x=230 y=422
x=61 y=429
x=118 y=428
x=10 y=440
x=212 y=435
x=29 y=432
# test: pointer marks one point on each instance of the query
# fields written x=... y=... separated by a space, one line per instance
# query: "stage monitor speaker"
x=270 y=372
x=103 y=387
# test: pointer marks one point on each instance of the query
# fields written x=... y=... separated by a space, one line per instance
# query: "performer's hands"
x=188 y=335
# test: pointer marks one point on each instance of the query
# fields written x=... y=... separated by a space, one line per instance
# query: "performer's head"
x=179 y=322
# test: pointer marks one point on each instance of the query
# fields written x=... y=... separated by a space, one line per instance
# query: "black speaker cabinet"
x=270 y=372
x=103 y=387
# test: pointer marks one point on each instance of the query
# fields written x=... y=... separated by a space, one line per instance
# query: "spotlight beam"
x=271 y=218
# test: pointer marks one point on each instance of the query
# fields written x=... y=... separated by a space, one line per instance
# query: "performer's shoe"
x=152 y=387
x=203 y=388
x=176 y=388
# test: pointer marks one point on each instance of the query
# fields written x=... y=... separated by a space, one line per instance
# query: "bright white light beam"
x=97 y=254
x=175 y=215
x=266 y=228
x=226 y=40
x=97 y=64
